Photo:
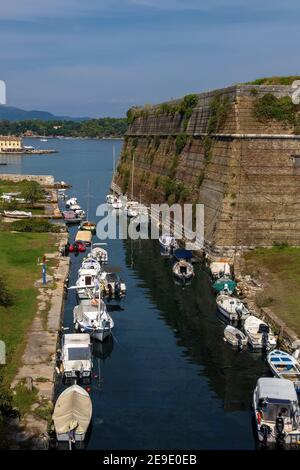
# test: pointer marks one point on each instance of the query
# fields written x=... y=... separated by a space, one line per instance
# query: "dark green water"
x=169 y=381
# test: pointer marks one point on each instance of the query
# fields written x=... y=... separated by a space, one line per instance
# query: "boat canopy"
x=183 y=254
x=84 y=236
x=76 y=339
x=276 y=390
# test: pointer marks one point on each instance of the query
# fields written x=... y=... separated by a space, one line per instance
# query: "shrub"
x=180 y=143
x=156 y=142
x=270 y=107
x=135 y=141
x=6 y=297
x=6 y=400
x=34 y=225
x=263 y=300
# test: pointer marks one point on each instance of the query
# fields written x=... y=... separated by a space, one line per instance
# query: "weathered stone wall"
x=44 y=180
x=250 y=185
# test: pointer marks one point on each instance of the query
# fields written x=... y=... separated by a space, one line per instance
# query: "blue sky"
x=99 y=57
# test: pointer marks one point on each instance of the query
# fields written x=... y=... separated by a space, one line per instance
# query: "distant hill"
x=11 y=113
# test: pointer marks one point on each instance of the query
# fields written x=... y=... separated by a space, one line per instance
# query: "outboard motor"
x=240 y=342
x=265 y=430
x=279 y=429
x=264 y=330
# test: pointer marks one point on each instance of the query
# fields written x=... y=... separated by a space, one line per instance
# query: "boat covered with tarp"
x=72 y=414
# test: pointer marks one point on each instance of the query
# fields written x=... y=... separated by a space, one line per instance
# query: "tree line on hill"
x=99 y=128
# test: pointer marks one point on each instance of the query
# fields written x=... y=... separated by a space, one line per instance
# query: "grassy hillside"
x=275 y=80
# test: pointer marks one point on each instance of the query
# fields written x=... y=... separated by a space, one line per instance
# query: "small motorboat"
x=77 y=247
x=110 y=198
x=224 y=285
x=17 y=214
x=88 y=225
x=91 y=264
x=285 y=366
x=88 y=279
x=117 y=203
x=71 y=202
x=183 y=270
x=76 y=356
x=99 y=254
x=70 y=217
x=259 y=334
x=72 y=414
x=112 y=284
x=232 y=308
x=91 y=317
x=235 y=337
x=220 y=269
x=131 y=209
x=276 y=410
x=168 y=243
x=84 y=236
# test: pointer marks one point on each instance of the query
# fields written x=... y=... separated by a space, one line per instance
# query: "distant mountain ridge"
x=11 y=113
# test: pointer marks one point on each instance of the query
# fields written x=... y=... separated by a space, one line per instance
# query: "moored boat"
x=276 y=411
x=76 y=356
x=91 y=317
x=224 y=285
x=17 y=214
x=235 y=337
x=88 y=225
x=220 y=269
x=232 y=308
x=72 y=414
x=285 y=366
x=168 y=243
x=259 y=334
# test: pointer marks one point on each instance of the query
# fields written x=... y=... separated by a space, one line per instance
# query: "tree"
x=32 y=191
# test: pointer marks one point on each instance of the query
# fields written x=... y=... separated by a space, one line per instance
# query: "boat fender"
x=260 y=417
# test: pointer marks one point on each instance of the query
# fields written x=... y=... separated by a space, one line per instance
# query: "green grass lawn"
x=282 y=266
x=19 y=255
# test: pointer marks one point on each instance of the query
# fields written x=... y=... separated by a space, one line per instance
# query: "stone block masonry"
x=247 y=173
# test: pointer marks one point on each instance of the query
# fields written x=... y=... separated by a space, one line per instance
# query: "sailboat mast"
x=114 y=161
x=88 y=201
x=132 y=175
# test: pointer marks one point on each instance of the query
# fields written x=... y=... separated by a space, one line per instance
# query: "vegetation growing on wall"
x=184 y=107
x=281 y=109
x=219 y=108
x=180 y=143
x=274 y=80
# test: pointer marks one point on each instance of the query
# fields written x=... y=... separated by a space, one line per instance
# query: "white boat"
x=259 y=334
x=110 y=198
x=117 y=203
x=100 y=254
x=220 y=269
x=43 y=139
x=235 y=337
x=232 y=308
x=76 y=356
x=75 y=207
x=90 y=264
x=72 y=414
x=111 y=283
x=17 y=214
x=87 y=280
x=71 y=202
x=131 y=209
x=285 y=366
x=91 y=317
x=277 y=412
x=168 y=243
x=183 y=270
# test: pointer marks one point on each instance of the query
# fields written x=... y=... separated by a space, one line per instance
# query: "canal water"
x=168 y=380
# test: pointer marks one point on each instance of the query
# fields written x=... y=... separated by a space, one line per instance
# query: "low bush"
x=34 y=225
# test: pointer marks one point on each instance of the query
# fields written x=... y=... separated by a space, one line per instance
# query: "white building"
x=2 y=92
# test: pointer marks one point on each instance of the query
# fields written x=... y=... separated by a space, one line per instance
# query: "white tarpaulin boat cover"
x=74 y=404
x=274 y=388
x=217 y=266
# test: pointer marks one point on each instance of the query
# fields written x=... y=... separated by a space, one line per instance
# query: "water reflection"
x=192 y=315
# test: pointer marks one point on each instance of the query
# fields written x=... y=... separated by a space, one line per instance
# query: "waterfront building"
x=10 y=143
